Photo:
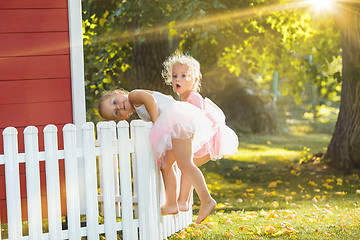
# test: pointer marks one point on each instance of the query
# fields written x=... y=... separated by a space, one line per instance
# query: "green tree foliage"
x=125 y=43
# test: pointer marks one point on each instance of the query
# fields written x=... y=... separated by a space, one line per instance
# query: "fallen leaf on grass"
x=278 y=233
x=288 y=198
x=328 y=186
x=339 y=181
x=207 y=219
x=272 y=185
x=329 y=234
x=228 y=221
x=229 y=235
x=270 y=229
x=312 y=183
x=340 y=193
x=273 y=215
x=220 y=205
x=290 y=214
x=274 y=204
x=243 y=227
x=288 y=228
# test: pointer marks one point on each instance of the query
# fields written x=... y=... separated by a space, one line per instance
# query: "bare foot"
x=169 y=210
x=183 y=207
x=205 y=209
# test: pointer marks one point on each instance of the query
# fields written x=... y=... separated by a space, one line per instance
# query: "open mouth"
x=178 y=86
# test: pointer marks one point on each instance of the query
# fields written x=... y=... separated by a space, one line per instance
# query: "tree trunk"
x=147 y=57
x=344 y=148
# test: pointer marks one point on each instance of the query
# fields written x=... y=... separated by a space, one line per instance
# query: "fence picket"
x=52 y=181
x=125 y=181
x=92 y=212
x=33 y=182
x=12 y=181
x=140 y=183
x=72 y=184
x=116 y=173
x=135 y=175
x=147 y=182
x=108 y=179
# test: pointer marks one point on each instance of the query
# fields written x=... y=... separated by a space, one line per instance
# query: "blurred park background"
x=286 y=75
x=272 y=66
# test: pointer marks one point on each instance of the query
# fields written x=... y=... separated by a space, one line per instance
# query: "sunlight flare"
x=238 y=14
x=322 y=4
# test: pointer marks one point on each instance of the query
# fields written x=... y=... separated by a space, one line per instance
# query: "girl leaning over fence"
x=183 y=73
x=179 y=130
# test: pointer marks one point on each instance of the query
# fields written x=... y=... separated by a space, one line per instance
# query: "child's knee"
x=185 y=166
x=166 y=166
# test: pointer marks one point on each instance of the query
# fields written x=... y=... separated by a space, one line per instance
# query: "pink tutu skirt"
x=180 y=120
x=224 y=140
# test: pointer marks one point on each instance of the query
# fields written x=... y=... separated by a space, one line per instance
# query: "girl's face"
x=117 y=106
x=182 y=83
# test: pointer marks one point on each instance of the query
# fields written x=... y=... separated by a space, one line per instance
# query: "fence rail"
x=123 y=187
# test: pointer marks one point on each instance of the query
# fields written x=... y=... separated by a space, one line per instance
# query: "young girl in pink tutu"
x=179 y=130
x=183 y=73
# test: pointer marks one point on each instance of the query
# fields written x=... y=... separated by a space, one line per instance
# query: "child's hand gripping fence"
x=122 y=169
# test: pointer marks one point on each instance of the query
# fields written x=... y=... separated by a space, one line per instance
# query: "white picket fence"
x=131 y=188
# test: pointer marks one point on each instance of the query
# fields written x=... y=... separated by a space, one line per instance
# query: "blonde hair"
x=180 y=58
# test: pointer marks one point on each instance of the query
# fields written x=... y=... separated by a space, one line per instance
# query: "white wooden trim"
x=77 y=64
x=77 y=82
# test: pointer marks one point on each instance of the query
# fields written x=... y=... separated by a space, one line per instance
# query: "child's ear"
x=196 y=81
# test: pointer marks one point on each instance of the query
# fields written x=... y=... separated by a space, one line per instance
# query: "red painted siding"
x=33 y=4
x=30 y=44
x=33 y=20
x=35 y=84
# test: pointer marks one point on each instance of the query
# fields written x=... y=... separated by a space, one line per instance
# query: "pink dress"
x=224 y=140
x=176 y=120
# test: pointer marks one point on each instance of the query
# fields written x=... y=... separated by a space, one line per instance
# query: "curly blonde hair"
x=178 y=57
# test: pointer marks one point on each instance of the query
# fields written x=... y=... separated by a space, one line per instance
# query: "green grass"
x=263 y=192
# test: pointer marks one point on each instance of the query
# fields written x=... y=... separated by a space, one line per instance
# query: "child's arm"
x=196 y=99
x=140 y=97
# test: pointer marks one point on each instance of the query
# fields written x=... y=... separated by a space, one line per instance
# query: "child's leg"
x=183 y=155
x=169 y=178
x=186 y=187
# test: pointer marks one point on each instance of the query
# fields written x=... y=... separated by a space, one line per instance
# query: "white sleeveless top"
x=162 y=101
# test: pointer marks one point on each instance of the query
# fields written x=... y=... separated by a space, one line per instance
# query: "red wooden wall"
x=35 y=84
